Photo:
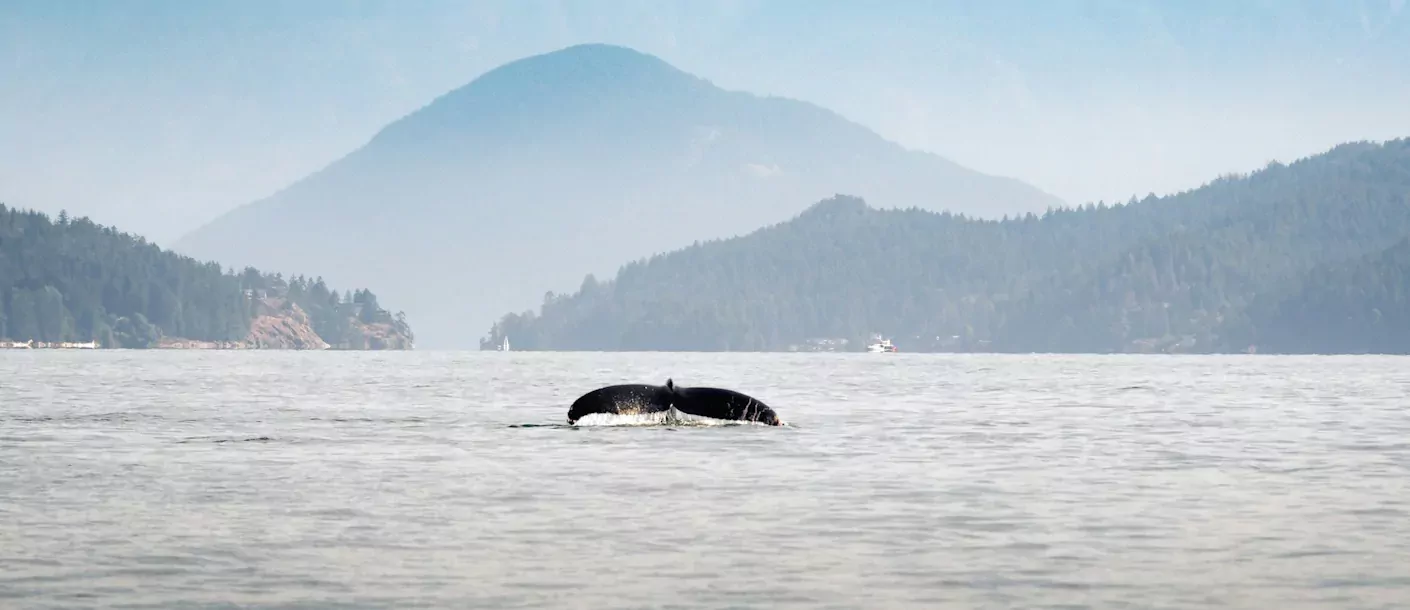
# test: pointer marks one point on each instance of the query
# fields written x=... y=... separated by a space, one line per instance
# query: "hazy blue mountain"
x=568 y=163
x=1309 y=256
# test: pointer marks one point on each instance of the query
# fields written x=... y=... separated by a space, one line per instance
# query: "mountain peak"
x=590 y=64
x=596 y=51
x=563 y=85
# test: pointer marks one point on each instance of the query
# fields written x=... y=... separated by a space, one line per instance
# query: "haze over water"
x=395 y=480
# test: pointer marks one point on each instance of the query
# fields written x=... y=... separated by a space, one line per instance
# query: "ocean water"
x=450 y=480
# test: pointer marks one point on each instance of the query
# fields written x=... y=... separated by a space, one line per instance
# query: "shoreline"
x=181 y=344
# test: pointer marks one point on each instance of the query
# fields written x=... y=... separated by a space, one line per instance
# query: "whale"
x=640 y=398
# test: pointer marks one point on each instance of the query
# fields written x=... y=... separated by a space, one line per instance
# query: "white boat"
x=504 y=345
x=882 y=346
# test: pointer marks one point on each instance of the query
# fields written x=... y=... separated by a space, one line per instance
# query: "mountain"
x=567 y=163
x=1304 y=256
x=74 y=281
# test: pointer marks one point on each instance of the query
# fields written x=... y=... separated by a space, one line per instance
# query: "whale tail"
x=673 y=401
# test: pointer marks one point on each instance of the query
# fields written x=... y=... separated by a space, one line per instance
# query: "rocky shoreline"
x=278 y=325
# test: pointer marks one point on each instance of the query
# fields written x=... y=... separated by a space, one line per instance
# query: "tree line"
x=70 y=279
x=1305 y=256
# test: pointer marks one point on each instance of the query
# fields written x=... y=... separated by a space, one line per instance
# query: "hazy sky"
x=159 y=115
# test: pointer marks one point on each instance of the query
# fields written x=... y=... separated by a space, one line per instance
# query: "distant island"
x=1309 y=257
x=71 y=283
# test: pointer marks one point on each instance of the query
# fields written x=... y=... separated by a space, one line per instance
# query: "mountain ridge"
x=567 y=163
x=1234 y=265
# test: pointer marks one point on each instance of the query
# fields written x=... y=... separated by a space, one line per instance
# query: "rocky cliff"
x=378 y=336
x=281 y=324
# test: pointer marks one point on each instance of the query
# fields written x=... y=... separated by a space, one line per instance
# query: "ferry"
x=882 y=346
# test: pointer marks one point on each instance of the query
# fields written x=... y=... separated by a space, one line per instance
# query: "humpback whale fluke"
x=715 y=403
x=719 y=403
x=625 y=399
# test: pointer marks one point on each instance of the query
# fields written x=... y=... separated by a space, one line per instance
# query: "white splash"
x=669 y=417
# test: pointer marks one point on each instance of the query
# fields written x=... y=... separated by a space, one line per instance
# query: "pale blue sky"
x=158 y=115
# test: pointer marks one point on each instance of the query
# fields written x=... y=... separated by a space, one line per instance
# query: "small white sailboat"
x=504 y=345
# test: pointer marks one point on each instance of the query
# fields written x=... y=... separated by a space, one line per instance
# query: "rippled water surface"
x=398 y=480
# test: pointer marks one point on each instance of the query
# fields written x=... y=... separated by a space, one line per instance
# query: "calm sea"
x=448 y=480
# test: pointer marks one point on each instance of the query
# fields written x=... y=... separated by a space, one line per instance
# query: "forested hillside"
x=1357 y=306
x=1224 y=267
x=71 y=280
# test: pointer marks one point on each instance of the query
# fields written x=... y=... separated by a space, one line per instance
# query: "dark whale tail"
x=714 y=403
x=719 y=403
x=626 y=399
